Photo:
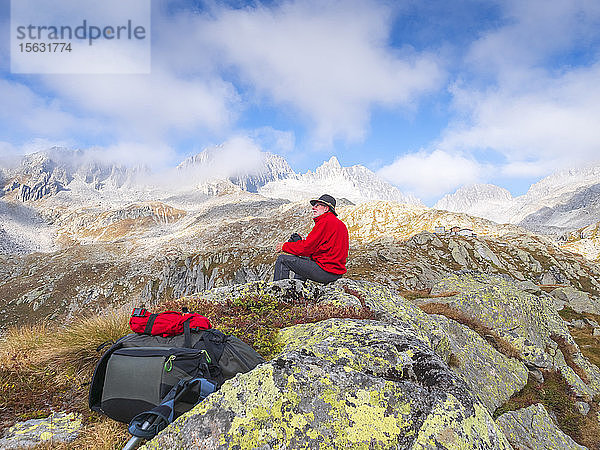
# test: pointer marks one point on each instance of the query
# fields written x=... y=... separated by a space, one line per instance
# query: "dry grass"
x=588 y=344
x=45 y=368
x=76 y=345
x=556 y=396
x=569 y=351
x=491 y=336
x=424 y=293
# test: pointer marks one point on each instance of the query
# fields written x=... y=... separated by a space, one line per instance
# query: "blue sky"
x=430 y=95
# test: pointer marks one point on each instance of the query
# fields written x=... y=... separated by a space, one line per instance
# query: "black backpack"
x=138 y=371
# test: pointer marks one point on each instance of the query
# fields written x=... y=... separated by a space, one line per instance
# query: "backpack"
x=168 y=323
x=138 y=371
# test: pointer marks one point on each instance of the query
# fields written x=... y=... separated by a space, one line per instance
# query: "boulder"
x=57 y=428
x=532 y=428
x=490 y=375
x=530 y=323
x=341 y=383
x=577 y=300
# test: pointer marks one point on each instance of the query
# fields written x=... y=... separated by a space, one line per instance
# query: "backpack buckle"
x=139 y=312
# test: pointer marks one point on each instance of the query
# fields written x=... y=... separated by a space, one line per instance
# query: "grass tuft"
x=569 y=352
x=557 y=397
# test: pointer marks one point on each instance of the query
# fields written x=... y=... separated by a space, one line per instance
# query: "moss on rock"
x=340 y=383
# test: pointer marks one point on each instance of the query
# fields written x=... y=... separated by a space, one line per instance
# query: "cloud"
x=548 y=119
x=149 y=106
x=540 y=112
x=431 y=174
x=533 y=32
x=275 y=141
x=31 y=113
x=237 y=156
x=133 y=154
x=328 y=60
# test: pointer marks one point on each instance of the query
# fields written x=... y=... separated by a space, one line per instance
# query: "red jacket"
x=326 y=244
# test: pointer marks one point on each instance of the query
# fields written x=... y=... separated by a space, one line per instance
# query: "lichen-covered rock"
x=490 y=375
x=532 y=428
x=58 y=427
x=577 y=300
x=531 y=323
x=328 y=391
x=291 y=289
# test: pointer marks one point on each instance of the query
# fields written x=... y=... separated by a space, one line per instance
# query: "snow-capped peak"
x=472 y=196
x=356 y=183
x=247 y=169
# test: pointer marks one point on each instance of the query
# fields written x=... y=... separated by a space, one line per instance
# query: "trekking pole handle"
x=135 y=441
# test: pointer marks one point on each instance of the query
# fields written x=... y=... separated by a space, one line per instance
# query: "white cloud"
x=329 y=60
x=537 y=115
x=534 y=30
x=237 y=156
x=28 y=112
x=133 y=154
x=149 y=106
x=275 y=141
x=552 y=119
x=431 y=174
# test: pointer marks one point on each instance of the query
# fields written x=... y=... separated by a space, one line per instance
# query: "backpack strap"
x=214 y=342
x=150 y=323
x=186 y=333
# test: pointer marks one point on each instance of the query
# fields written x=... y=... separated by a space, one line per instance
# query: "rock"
x=596 y=332
x=492 y=376
x=529 y=322
x=341 y=383
x=583 y=408
x=537 y=375
x=577 y=323
x=577 y=300
x=532 y=428
x=57 y=428
x=530 y=287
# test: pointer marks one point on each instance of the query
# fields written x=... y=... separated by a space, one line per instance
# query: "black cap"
x=326 y=200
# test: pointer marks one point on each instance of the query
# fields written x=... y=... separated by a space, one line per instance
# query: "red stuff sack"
x=165 y=324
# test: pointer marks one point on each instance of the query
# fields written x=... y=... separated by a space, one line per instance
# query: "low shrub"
x=558 y=399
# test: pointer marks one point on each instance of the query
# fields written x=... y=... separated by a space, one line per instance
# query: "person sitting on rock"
x=322 y=255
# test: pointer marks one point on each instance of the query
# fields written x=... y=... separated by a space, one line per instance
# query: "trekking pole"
x=135 y=441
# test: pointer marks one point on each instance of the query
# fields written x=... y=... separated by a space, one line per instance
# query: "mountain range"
x=50 y=192
x=560 y=203
x=80 y=233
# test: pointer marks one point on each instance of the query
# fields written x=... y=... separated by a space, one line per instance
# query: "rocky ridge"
x=404 y=380
x=563 y=201
x=148 y=252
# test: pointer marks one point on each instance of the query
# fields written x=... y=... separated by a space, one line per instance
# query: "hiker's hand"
x=279 y=247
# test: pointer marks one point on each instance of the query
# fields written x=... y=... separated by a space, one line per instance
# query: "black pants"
x=303 y=269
